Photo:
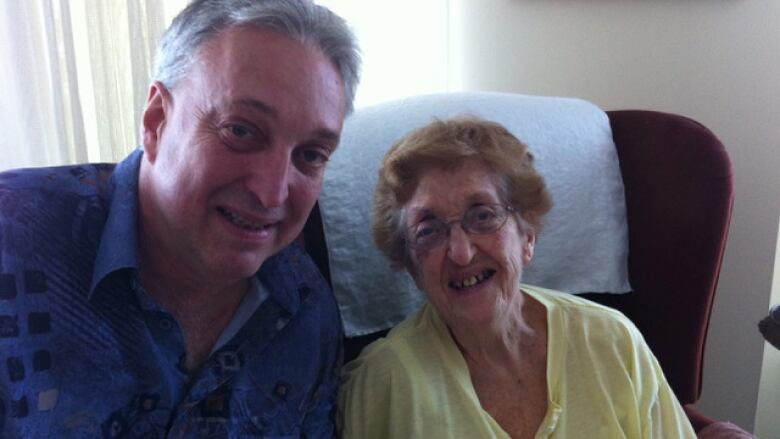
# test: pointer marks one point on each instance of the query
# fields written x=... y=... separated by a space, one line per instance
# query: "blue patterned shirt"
x=86 y=352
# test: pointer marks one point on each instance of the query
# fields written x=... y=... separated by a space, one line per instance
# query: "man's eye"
x=238 y=130
x=240 y=137
x=313 y=157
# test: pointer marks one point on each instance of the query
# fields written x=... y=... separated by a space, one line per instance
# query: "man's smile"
x=243 y=222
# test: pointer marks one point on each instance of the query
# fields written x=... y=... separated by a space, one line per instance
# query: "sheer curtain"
x=74 y=76
x=74 y=73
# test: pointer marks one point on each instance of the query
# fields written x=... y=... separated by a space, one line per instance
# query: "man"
x=163 y=297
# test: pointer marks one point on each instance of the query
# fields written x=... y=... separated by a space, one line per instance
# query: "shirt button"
x=165 y=324
x=148 y=402
x=229 y=361
x=281 y=389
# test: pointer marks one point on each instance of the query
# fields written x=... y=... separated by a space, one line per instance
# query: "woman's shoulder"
x=578 y=312
x=402 y=346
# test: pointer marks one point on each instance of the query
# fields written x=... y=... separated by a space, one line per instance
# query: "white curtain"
x=74 y=77
x=74 y=73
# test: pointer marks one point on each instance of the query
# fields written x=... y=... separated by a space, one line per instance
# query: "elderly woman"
x=458 y=205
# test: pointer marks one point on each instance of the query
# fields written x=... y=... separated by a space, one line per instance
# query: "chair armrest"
x=698 y=419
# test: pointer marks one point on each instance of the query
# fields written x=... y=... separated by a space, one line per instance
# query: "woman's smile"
x=473 y=280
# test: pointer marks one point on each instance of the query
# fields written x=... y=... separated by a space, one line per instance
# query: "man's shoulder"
x=43 y=206
x=37 y=191
x=57 y=181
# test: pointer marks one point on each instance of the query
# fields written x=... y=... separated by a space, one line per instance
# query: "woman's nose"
x=460 y=249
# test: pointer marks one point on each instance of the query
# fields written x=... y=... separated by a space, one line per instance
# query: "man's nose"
x=460 y=249
x=270 y=180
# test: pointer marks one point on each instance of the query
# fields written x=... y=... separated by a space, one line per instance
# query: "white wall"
x=717 y=61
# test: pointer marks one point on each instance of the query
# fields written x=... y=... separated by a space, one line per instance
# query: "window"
x=76 y=73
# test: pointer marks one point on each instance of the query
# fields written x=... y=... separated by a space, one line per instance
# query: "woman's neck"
x=503 y=344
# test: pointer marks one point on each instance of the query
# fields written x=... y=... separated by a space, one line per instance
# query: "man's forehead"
x=245 y=51
x=247 y=38
x=265 y=74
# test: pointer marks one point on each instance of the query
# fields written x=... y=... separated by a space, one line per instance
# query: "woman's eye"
x=485 y=215
x=426 y=229
x=481 y=215
x=422 y=232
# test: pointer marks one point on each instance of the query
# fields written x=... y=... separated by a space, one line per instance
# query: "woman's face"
x=469 y=278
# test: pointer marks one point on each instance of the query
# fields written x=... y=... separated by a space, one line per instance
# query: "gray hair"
x=202 y=20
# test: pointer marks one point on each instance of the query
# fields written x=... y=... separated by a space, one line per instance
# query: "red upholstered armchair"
x=679 y=193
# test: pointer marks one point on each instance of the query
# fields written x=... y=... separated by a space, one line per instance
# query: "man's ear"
x=528 y=247
x=154 y=118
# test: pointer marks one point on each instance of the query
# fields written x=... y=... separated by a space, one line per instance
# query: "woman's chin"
x=475 y=305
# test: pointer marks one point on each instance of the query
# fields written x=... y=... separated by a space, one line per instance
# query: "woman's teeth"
x=473 y=280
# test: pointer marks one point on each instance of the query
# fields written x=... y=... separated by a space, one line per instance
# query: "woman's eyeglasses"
x=479 y=219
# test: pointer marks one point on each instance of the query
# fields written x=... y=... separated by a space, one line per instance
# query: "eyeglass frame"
x=448 y=225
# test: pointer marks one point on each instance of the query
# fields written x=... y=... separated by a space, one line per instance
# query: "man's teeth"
x=240 y=221
x=473 y=280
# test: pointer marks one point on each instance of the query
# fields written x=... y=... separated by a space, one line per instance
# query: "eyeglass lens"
x=478 y=219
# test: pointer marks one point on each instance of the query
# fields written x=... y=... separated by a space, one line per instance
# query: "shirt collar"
x=119 y=242
x=288 y=275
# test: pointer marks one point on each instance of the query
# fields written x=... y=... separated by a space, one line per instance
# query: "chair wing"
x=679 y=196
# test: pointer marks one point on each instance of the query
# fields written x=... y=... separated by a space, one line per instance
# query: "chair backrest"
x=679 y=196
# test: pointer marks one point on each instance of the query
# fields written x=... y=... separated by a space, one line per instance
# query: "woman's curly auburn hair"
x=447 y=144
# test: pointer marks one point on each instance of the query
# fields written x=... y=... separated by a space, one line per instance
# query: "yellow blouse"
x=602 y=379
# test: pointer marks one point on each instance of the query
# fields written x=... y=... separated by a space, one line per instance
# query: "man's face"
x=235 y=154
